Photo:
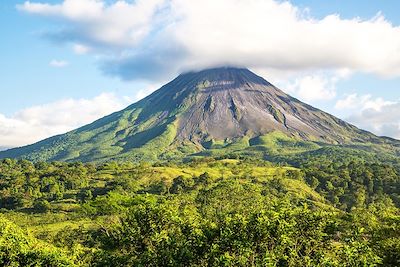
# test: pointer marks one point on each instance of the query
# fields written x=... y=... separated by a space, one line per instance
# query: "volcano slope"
x=211 y=112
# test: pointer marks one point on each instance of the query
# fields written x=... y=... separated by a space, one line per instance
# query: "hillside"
x=215 y=111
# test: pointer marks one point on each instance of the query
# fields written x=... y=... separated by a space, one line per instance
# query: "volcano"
x=220 y=109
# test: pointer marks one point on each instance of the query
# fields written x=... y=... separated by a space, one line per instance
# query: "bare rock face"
x=196 y=108
x=229 y=103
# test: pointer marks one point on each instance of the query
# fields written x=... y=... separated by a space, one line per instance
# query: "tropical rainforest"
x=204 y=211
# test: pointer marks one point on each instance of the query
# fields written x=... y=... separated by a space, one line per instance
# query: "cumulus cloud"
x=119 y=24
x=309 y=86
x=312 y=88
x=362 y=102
x=38 y=122
x=257 y=34
x=374 y=114
x=58 y=63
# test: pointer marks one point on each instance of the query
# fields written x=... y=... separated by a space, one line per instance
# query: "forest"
x=234 y=211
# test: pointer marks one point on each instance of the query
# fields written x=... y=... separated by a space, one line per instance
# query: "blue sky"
x=101 y=54
x=27 y=78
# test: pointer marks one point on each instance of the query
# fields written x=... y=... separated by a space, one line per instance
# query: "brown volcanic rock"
x=232 y=103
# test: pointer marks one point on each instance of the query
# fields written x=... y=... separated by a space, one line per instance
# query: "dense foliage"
x=204 y=212
x=19 y=249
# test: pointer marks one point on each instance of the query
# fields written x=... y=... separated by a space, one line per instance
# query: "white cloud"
x=309 y=86
x=58 y=63
x=120 y=24
x=350 y=101
x=374 y=114
x=313 y=88
x=36 y=123
x=257 y=34
x=81 y=49
x=362 y=102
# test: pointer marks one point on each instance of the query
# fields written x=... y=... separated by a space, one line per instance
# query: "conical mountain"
x=225 y=109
